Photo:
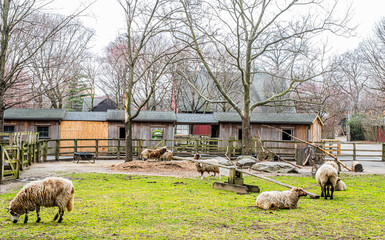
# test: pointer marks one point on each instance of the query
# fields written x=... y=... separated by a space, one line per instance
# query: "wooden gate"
x=9 y=162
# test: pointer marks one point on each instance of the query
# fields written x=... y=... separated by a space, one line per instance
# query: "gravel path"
x=173 y=169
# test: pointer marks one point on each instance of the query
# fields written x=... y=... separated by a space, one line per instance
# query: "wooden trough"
x=235 y=182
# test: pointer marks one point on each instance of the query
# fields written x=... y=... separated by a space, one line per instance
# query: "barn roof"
x=86 y=116
x=144 y=116
x=196 y=118
x=268 y=118
x=34 y=114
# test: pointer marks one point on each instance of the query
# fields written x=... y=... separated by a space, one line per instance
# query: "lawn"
x=150 y=207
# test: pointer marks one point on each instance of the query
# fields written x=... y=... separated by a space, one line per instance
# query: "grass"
x=150 y=207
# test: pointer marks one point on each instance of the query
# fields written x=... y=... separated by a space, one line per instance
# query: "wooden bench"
x=83 y=156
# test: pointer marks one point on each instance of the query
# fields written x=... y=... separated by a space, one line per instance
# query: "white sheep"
x=326 y=176
x=280 y=199
x=340 y=186
x=49 y=192
x=202 y=168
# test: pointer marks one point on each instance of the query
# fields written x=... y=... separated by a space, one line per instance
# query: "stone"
x=218 y=160
x=274 y=167
x=246 y=161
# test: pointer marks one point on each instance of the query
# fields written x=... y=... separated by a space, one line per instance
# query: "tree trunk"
x=246 y=136
x=128 y=125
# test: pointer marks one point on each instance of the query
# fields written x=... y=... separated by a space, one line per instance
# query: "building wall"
x=84 y=130
x=31 y=126
x=316 y=131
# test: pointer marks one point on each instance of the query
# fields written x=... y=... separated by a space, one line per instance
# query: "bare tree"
x=20 y=41
x=146 y=23
x=59 y=61
x=244 y=32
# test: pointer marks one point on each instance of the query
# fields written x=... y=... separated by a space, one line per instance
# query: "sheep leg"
x=332 y=191
x=214 y=176
x=38 y=214
x=26 y=217
x=324 y=192
x=202 y=176
x=328 y=193
x=61 y=216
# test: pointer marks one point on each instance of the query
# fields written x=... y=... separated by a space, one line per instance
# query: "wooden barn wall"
x=84 y=130
x=316 y=131
x=228 y=130
x=142 y=130
x=31 y=126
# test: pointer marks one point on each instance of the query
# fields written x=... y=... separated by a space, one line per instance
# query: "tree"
x=20 y=40
x=244 y=32
x=77 y=90
x=146 y=28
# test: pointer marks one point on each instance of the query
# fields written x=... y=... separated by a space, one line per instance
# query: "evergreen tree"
x=76 y=92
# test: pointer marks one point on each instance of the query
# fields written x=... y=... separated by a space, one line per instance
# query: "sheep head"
x=299 y=191
x=197 y=156
x=16 y=212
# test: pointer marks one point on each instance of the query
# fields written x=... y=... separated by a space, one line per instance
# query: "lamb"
x=49 y=192
x=153 y=154
x=326 y=176
x=167 y=155
x=275 y=199
x=202 y=168
x=341 y=186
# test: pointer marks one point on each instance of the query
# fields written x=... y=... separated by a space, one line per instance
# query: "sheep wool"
x=167 y=155
x=49 y=192
x=274 y=200
x=202 y=168
x=326 y=176
x=340 y=186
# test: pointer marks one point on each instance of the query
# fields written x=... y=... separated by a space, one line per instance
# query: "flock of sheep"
x=59 y=192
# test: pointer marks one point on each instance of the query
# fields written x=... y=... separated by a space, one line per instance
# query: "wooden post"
x=75 y=145
x=295 y=151
x=1 y=163
x=21 y=157
x=17 y=168
x=30 y=154
x=230 y=147
x=354 y=152
x=38 y=154
x=339 y=147
x=383 y=151
x=118 y=150
x=57 y=150
x=140 y=145
x=196 y=146
x=96 y=147
x=45 y=151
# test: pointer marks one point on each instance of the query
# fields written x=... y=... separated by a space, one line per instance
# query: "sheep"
x=326 y=176
x=153 y=154
x=202 y=168
x=340 y=186
x=275 y=199
x=167 y=155
x=49 y=192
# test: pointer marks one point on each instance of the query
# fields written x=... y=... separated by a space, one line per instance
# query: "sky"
x=107 y=18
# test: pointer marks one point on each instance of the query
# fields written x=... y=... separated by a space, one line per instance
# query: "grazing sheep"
x=340 y=186
x=202 y=168
x=167 y=155
x=275 y=199
x=326 y=176
x=153 y=154
x=49 y=192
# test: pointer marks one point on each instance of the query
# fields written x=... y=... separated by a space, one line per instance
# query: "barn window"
x=9 y=129
x=43 y=131
x=286 y=134
x=182 y=130
x=122 y=132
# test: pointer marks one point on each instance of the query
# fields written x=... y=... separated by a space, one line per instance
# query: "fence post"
x=140 y=144
x=118 y=150
x=38 y=154
x=339 y=147
x=383 y=151
x=45 y=151
x=1 y=162
x=96 y=147
x=57 y=150
x=295 y=151
x=196 y=146
x=21 y=156
x=230 y=147
x=75 y=145
x=354 y=152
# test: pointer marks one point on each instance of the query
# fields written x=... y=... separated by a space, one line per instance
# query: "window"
x=9 y=129
x=182 y=130
x=122 y=132
x=43 y=132
x=286 y=134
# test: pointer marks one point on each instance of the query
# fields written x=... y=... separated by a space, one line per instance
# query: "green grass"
x=149 y=207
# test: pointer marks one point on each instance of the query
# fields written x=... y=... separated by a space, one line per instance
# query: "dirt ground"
x=166 y=168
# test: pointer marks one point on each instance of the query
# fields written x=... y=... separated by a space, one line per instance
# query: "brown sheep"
x=49 y=192
x=153 y=154
x=202 y=168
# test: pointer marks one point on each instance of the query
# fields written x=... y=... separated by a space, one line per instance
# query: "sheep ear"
x=7 y=209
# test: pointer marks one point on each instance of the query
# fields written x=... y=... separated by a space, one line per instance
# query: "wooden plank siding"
x=83 y=130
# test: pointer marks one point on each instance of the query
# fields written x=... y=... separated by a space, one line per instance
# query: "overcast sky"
x=107 y=18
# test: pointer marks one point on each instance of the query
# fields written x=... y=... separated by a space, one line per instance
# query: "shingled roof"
x=196 y=118
x=268 y=118
x=144 y=116
x=34 y=114
x=86 y=116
